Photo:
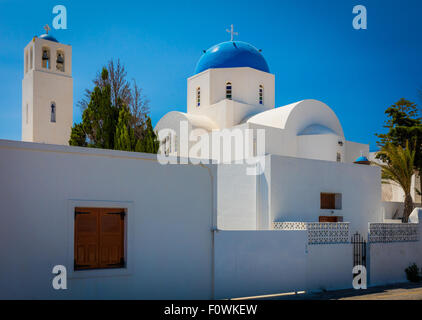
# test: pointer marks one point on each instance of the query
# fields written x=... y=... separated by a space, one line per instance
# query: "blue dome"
x=361 y=158
x=48 y=37
x=232 y=54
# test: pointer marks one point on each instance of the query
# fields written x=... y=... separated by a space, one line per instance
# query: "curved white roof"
x=315 y=129
x=173 y=118
x=298 y=116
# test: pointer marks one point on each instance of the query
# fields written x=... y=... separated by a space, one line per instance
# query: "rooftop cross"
x=47 y=28
x=231 y=31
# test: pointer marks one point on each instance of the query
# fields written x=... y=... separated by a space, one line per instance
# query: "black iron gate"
x=359 y=250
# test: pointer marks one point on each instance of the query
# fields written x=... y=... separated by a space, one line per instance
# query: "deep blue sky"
x=310 y=46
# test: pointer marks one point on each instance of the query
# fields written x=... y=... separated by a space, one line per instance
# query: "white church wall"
x=296 y=185
x=245 y=85
x=277 y=141
x=170 y=218
x=236 y=198
x=250 y=263
x=201 y=81
x=320 y=147
x=229 y=113
x=245 y=91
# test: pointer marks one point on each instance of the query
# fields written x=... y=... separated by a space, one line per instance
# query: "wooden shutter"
x=99 y=238
x=86 y=238
x=328 y=201
x=112 y=238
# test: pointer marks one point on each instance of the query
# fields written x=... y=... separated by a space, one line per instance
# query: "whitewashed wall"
x=295 y=185
x=250 y=263
x=236 y=198
x=389 y=260
x=170 y=218
x=329 y=267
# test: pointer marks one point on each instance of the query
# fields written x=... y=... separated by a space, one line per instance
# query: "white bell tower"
x=47 y=91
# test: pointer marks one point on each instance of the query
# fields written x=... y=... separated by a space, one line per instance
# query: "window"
x=198 y=96
x=60 y=61
x=53 y=113
x=338 y=157
x=261 y=94
x=255 y=151
x=166 y=146
x=30 y=58
x=99 y=238
x=45 y=60
x=26 y=61
x=229 y=90
x=331 y=201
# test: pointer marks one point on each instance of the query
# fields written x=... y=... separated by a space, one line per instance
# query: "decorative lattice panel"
x=319 y=232
x=289 y=226
x=393 y=232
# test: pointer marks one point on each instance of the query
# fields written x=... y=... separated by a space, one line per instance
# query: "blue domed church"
x=232 y=92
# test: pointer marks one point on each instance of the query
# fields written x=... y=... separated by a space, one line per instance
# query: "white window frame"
x=128 y=239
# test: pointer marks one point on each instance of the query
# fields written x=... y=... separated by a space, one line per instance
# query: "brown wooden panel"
x=328 y=201
x=86 y=238
x=329 y=219
x=111 y=238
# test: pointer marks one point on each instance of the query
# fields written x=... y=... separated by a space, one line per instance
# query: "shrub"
x=412 y=273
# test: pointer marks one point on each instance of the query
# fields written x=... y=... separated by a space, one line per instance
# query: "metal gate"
x=359 y=250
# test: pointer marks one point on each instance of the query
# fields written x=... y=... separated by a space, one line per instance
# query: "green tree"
x=115 y=114
x=404 y=125
x=400 y=169
x=124 y=137
x=100 y=118
x=78 y=136
x=149 y=143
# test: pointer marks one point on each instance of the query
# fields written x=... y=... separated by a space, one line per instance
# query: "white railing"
x=393 y=232
x=319 y=232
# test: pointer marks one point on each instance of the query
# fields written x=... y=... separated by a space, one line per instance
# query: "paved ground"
x=403 y=291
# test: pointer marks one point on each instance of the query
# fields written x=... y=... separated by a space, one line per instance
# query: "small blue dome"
x=48 y=37
x=232 y=54
x=361 y=158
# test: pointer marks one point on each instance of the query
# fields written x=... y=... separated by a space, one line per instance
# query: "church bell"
x=45 y=55
x=60 y=59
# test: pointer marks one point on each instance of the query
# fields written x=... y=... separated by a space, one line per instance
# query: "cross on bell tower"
x=231 y=31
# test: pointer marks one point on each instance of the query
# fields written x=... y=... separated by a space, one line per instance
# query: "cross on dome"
x=47 y=28
x=231 y=31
